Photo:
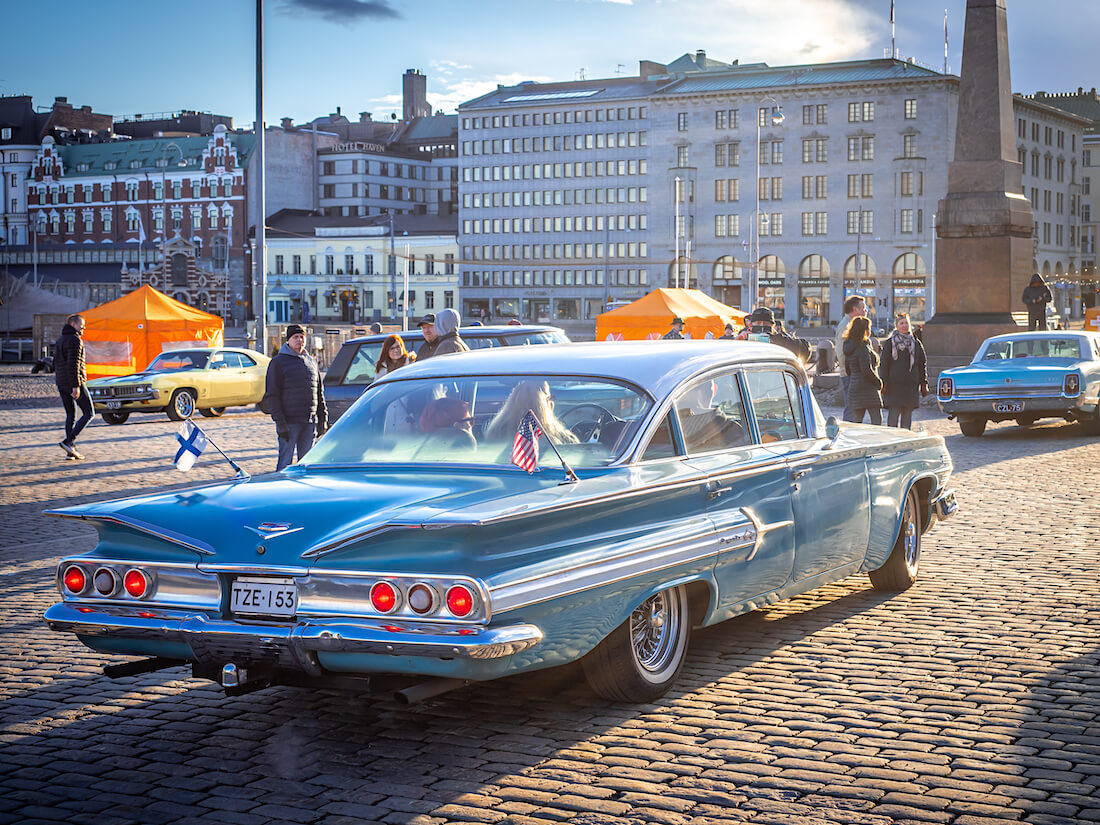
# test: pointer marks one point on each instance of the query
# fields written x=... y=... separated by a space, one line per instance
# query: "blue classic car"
x=673 y=484
x=1025 y=376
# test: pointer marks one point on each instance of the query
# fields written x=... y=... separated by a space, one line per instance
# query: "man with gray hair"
x=72 y=382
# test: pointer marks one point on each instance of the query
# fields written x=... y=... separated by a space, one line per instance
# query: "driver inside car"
x=534 y=396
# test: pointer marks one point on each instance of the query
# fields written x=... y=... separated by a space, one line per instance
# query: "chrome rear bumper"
x=212 y=640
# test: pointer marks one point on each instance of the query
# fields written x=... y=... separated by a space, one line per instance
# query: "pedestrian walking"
x=855 y=306
x=394 y=355
x=71 y=378
x=677 y=331
x=446 y=329
x=295 y=397
x=861 y=365
x=904 y=373
x=1036 y=297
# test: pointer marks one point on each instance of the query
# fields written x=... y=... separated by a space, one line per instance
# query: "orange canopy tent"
x=123 y=336
x=651 y=316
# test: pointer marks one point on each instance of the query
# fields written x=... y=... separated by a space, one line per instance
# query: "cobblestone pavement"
x=971 y=699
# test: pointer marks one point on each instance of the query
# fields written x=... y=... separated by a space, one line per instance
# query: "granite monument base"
x=958 y=335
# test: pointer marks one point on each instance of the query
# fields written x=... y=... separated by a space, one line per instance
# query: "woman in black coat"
x=861 y=364
x=904 y=373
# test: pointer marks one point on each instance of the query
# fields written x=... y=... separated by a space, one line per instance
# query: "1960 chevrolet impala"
x=675 y=484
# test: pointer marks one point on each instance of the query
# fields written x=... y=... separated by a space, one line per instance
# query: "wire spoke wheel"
x=653 y=632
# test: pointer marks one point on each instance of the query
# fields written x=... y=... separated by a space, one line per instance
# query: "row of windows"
x=556 y=277
x=384 y=169
x=568 y=223
x=384 y=192
x=1050 y=135
x=555 y=118
x=215 y=187
x=349 y=265
x=216 y=218
x=555 y=252
x=540 y=171
x=1050 y=164
x=812 y=114
x=561 y=197
x=554 y=143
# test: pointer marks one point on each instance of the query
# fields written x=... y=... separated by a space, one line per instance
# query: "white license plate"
x=264 y=597
x=114 y=405
x=1008 y=406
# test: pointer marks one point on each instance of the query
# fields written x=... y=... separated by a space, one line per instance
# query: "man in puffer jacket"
x=72 y=382
x=446 y=328
x=295 y=397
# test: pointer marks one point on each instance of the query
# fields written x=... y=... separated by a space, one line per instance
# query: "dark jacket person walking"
x=72 y=382
x=1036 y=297
x=904 y=373
x=861 y=364
x=295 y=397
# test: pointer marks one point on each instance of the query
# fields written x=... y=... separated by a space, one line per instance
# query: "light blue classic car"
x=1025 y=376
x=675 y=484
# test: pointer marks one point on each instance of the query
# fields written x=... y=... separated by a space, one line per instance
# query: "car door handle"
x=799 y=472
x=714 y=489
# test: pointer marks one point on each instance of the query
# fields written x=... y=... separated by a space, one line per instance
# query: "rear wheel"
x=972 y=427
x=115 y=417
x=643 y=656
x=900 y=570
x=212 y=412
x=181 y=405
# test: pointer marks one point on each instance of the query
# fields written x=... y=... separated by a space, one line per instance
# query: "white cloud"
x=451 y=94
x=448 y=67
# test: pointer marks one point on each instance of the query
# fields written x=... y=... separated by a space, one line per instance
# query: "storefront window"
x=567 y=309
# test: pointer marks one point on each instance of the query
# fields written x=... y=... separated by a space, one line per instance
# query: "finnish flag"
x=190 y=441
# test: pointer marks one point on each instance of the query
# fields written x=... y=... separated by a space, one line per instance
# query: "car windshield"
x=178 y=361
x=1052 y=347
x=474 y=420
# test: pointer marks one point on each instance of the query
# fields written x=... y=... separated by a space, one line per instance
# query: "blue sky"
x=127 y=56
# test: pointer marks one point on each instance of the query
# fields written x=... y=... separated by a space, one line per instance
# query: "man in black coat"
x=72 y=382
x=295 y=397
x=762 y=322
x=1036 y=297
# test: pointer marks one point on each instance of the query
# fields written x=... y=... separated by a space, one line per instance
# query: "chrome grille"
x=122 y=392
x=1009 y=391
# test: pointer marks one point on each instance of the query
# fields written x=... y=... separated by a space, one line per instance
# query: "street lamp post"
x=776 y=117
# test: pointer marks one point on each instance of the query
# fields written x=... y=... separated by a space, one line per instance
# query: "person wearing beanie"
x=295 y=397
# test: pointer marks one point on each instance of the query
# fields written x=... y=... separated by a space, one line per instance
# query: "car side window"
x=232 y=360
x=481 y=342
x=712 y=415
x=361 y=368
x=218 y=361
x=661 y=443
x=246 y=361
x=777 y=418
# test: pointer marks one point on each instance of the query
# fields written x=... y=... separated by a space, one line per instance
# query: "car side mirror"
x=832 y=429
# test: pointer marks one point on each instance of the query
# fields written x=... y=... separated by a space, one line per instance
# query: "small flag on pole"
x=191 y=442
x=525 y=446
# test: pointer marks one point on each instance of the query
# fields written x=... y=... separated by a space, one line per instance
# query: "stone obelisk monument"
x=984 y=224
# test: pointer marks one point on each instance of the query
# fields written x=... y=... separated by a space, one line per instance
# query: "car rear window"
x=361 y=368
x=526 y=338
x=1053 y=347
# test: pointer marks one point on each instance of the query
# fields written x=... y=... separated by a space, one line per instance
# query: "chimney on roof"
x=700 y=58
x=61 y=100
x=337 y=110
x=365 y=117
x=414 y=95
x=287 y=123
x=649 y=68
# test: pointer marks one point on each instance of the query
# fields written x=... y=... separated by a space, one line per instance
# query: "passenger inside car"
x=706 y=424
x=448 y=424
x=535 y=396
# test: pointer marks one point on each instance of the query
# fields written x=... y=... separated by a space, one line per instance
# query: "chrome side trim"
x=762 y=529
x=200 y=547
x=211 y=637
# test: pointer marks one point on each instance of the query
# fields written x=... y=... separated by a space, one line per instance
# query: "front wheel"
x=181 y=405
x=115 y=417
x=972 y=427
x=212 y=412
x=643 y=656
x=900 y=570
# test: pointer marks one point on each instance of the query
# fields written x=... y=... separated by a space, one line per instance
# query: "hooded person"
x=446 y=330
x=1036 y=297
x=295 y=397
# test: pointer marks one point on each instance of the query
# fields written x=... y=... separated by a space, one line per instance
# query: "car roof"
x=465 y=332
x=245 y=350
x=1043 y=333
x=656 y=366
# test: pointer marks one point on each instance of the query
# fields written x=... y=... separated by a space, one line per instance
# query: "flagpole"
x=572 y=476
x=241 y=474
x=945 y=41
x=893 y=32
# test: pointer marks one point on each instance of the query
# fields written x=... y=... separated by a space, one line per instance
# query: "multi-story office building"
x=353 y=269
x=789 y=186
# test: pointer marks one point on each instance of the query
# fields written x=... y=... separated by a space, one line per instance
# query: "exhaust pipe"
x=426 y=690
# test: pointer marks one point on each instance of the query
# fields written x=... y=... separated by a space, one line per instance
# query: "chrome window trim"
x=200 y=547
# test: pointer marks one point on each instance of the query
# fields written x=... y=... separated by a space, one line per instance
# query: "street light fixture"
x=775 y=114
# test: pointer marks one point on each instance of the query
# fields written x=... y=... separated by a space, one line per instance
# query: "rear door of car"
x=829 y=488
x=223 y=378
x=352 y=371
x=747 y=492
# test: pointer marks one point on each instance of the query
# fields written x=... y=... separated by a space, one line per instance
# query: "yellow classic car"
x=178 y=382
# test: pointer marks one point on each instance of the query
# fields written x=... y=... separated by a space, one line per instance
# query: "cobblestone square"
x=971 y=699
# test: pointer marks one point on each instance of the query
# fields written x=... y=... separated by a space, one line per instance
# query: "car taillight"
x=460 y=601
x=421 y=599
x=105 y=581
x=1072 y=384
x=75 y=579
x=947 y=387
x=383 y=597
x=136 y=583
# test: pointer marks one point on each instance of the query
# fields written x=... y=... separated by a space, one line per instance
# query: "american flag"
x=525 y=446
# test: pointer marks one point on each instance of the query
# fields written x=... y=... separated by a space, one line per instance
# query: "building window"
x=279 y=265
x=449 y=264
x=349 y=264
x=330 y=264
x=911 y=109
x=429 y=264
x=296 y=264
x=807 y=223
x=681 y=156
x=682 y=122
x=720 y=226
x=907 y=184
x=429 y=300
x=909 y=146
x=821 y=220
x=368 y=264
x=906 y=224
x=89 y=221
x=449 y=299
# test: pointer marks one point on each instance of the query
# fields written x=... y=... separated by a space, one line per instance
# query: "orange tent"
x=651 y=316
x=123 y=336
